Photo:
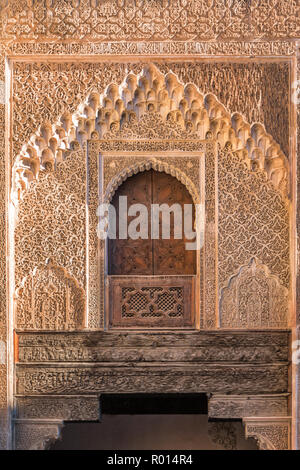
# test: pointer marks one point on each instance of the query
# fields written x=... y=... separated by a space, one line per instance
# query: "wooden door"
x=133 y=257
x=151 y=257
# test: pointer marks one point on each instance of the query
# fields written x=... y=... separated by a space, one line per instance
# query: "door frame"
x=195 y=165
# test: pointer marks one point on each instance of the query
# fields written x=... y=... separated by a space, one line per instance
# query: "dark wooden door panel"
x=151 y=257
x=170 y=255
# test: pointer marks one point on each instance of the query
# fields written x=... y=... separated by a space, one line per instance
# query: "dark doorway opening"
x=154 y=403
x=154 y=421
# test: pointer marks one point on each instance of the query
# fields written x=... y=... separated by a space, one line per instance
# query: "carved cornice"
x=239 y=406
x=152 y=20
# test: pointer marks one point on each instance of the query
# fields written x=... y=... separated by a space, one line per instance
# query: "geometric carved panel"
x=50 y=299
x=152 y=301
x=254 y=299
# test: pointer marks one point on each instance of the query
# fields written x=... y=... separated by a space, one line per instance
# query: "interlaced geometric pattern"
x=152 y=302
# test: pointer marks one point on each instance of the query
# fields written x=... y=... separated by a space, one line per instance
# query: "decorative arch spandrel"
x=51 y=220
x=121 y=108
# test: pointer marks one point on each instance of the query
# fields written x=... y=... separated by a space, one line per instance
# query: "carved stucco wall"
x=253 y=216
x=254 y=299
x=238 y=28
x=51 y=220
x=50 y=299
x=253 y=220
x=51 y=223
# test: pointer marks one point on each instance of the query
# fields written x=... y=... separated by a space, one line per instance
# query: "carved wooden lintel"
x=67 y=408
x=270 y=433
x=171 y=378
x=239 y=406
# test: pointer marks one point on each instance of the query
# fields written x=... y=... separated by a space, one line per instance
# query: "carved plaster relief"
x=253 y=221
x=270 y=433
x=254 y=299
x=160 y=29
x=271 y=48
x=50 y=299
x=151 y=105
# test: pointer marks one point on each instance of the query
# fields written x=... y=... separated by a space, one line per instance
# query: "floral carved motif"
x=270 y=434
x=51 y=220
x=253 y=220
x=50 y=299
x=254 y=299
